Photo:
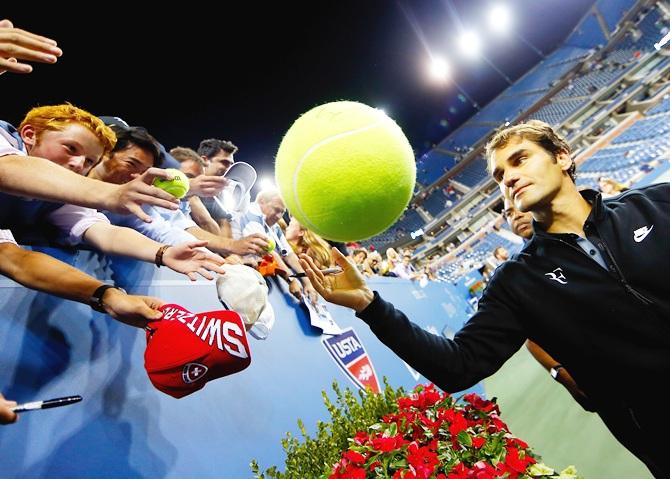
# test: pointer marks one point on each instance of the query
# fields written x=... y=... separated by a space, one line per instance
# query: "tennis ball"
x=178 y=186
x=345 y=170
x=271 y=245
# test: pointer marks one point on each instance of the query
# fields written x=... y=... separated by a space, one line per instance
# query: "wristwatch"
x=555 y=370
x=96 y=298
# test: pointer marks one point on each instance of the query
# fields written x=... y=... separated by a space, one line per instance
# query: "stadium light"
x=439 y=69
x=500 y=20
x=469 y=44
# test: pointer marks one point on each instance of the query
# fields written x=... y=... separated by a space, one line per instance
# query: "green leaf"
x=393 y=429
x=465 y=438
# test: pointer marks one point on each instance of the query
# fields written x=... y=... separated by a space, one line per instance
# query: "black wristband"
x=96 y=298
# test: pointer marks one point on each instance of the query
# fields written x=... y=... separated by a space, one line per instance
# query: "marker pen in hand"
x=49 y=403
x=323 y=271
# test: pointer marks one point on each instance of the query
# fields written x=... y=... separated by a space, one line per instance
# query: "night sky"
x=245 y=73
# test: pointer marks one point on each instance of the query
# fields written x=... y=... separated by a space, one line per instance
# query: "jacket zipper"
x=629 y=288
x=640 y=297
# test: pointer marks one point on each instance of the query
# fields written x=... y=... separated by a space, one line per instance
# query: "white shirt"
x=71 y=220
x=253 y=221
x=404 y=271
x=166 y=227
x=6 y=236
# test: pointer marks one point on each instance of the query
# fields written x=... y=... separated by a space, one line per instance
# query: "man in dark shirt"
x=589 y=288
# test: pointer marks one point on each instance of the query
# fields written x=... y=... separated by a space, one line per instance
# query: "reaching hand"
x=206 y=185
x=295 y=289
x=7 y=416
x=130 y=197
x=347 y=288
x=136 y=311
x=253 y=244
x=234 y=259
x=17 y=44
x=310 y=292
x=187 y=258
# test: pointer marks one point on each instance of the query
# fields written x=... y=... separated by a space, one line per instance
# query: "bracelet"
x=95 y=302
x=159 y=255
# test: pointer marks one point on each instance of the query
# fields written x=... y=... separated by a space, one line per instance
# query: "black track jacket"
x=609 y=328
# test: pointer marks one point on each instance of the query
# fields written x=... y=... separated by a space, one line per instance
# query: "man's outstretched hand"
x=347 y=288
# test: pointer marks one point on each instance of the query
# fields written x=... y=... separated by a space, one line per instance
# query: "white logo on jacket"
x=557 y=275
x=641 y=233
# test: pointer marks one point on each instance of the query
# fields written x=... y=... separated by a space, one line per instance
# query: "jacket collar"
x=598 y=207
x=597 y=213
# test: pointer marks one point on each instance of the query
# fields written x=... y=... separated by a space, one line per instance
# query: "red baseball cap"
x=186 y=350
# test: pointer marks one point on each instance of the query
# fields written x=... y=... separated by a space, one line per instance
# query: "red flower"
x=355 y=473
x=355 y=457
x=515 y=441
x=387 y=444
x=458 y=424
x=481 y=404
x=405 y=403
x=428 y=397
x=496 y=424
x=483 y=470
x=515 y=460
x=432 y=425
x=361 y=438
x=422 y=459
x=478 y=442
x=460 y=471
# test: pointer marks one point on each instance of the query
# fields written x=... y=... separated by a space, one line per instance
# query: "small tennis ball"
x=271 y=245
x=345 y=170
x=178 y=186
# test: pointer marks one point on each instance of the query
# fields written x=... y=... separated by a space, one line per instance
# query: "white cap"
x=243 y=290
x=236 y=196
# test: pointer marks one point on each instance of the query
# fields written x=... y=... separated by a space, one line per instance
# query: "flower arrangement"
x=433 y=436
x=427 y=434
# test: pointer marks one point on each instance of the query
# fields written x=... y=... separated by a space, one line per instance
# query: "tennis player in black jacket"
x=590 y=288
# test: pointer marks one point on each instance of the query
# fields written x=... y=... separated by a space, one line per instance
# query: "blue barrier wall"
x=125 y=428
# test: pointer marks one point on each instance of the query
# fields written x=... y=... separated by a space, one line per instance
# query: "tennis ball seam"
x=307 y=154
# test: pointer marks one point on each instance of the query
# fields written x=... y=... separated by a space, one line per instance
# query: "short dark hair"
x=137 y=136
x=538 y=132
x=210 y=147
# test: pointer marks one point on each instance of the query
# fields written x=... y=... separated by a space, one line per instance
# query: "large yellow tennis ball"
x=178 y=186
x=345 y=170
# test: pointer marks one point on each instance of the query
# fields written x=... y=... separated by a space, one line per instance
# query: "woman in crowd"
x=304 y=241
x=609 y=187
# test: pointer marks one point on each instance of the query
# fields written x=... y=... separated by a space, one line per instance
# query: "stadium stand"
x=606 y=68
